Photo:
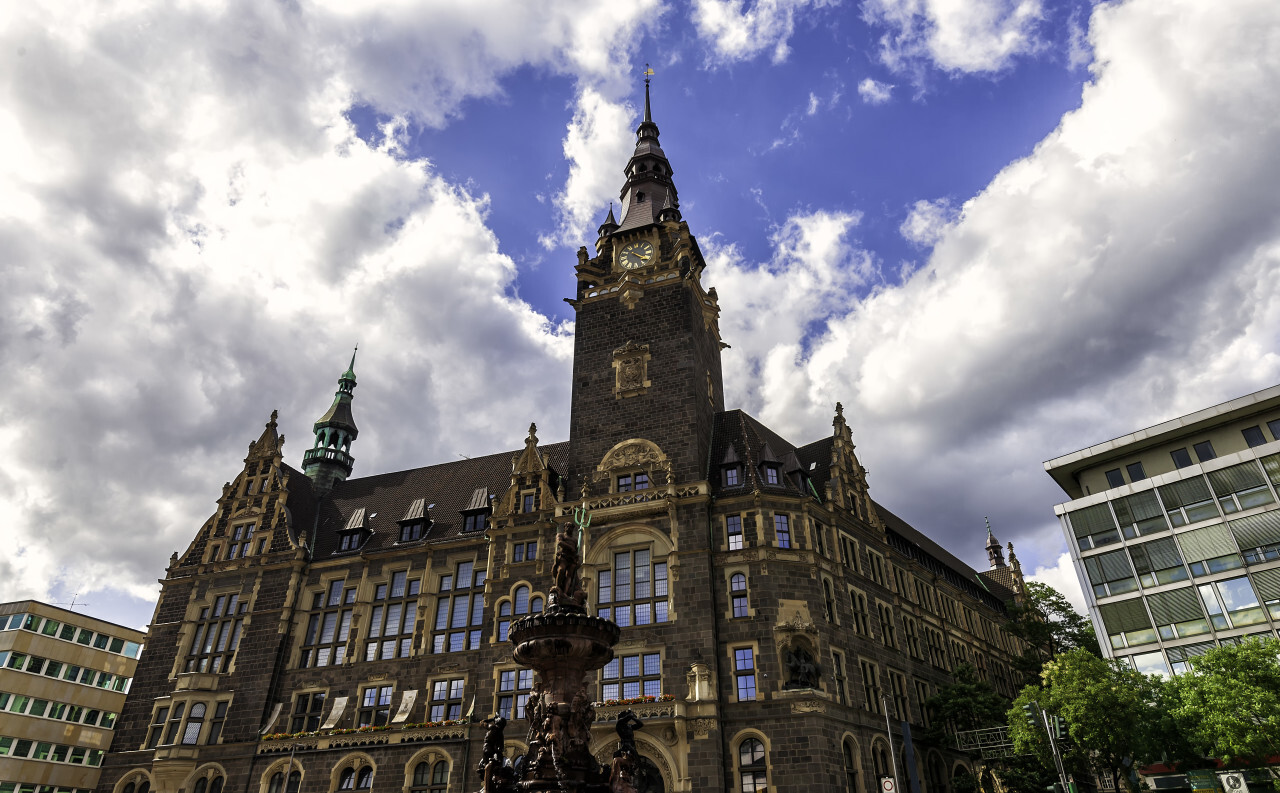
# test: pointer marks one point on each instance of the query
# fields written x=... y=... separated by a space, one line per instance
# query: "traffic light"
x=1056 y=787
x=1029 y=709
x=1059 y=728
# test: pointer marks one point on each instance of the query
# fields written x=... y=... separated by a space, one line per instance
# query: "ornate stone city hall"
x=774 y=623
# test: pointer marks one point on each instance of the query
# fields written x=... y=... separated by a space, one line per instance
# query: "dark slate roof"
x=446 y=488
x=339 y=413
x=925 y=550
x=815 y=458
x=747 y=437
x=1000 y=577
x=301 y=506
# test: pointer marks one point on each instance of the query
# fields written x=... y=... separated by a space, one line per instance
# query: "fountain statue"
x=562 y=644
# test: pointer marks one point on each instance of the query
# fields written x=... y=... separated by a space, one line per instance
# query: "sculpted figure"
x=802 y=672
x=493 y=740
x=627 y=725
x=567 y=590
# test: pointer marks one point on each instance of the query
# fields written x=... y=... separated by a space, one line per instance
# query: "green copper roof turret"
x=329 y=460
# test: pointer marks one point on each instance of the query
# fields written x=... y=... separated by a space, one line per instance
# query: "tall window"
x=738 y=595
x=922 y=696
x=876 y=568
x=392 y=620
x=828 y=600
x=782 y=530
x=351 y=779
x=632 y=676
x=375 y=706
x=861 y=618
x=329 y=625
x=277 y=783
x=446 y=699
x=195 y=722
x=912 y=632
x=459 y=615
x=898 y=688
x=870 y=685
x=752 y=767
x=733 y=528
x=157 y=727
x=307 y=709
x=634 y=592
x=521 y=604
x=888 y=633
x=744 y=670
x=820 y=538
x=514 y=686
x=217 y=635
x=850 y=768
x=241 y=539
x=428 y=778
x=837 y=663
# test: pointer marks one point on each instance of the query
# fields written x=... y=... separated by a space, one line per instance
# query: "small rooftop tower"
x=329 y=460
x=995 y=554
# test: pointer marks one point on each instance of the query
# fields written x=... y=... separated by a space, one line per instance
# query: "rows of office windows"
x=1181 y=503
x=47 y=626
x=22 y=748
x=59 y=711
x=35 y=665
x=1204 y=452
x=1181 y=658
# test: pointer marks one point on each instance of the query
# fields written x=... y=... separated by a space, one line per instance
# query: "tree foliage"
x=1229 y=704
x=966 y=703
x=1050 y=625
x=1116 y=716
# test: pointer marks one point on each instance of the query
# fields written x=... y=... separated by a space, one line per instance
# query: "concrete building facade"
x=1174 y=531
x=63 y=680
x=349 y=633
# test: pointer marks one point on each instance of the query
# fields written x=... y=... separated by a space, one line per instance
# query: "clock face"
x=636 y=254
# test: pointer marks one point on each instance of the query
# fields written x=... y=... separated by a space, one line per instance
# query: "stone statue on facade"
x=802 y=672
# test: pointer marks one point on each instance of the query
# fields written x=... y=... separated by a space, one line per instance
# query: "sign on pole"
x=887 y=785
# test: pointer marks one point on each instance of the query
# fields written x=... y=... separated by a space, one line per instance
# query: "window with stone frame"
x=911 y=630
x=837 y=669
x=733 y=530
x=870 y=684
x=217 y=635
x=524 y=552
x=328 y=626
x=446 y=699
x=634 y=481
x=937 y=649
x=738 y=595
x=732 y=475
x=888 y=632
x=174 y=727
x=430 y=778
x=922 y=696
x=631 y=676
x=752 y=766
x=158 y=721
x=861 y=616
x=634 y=590
x=459 y=610
x=849 y=553
x=900 y=578
x=375 y=706
x=514 y=689
x=898 y=689
x=393 y=617
x=828 y=601
x=782 y=530
x=279 y=785
x=744 y=673
x=518 y=605
x=241 y=540
x=820 y=538
x=351 y=778
x=875 y=567
x=308 y=708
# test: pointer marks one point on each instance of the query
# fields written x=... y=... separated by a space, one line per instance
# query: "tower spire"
x=995 y=554
x=648 y=115
x=648 y=195
x=329 y=459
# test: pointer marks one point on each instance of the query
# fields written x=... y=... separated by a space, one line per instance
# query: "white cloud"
x=927 y=222
x=194 y=234
x=1062 y=577
x=874 y=92
x=599 y=141
x=814 y=104
x=738 y=30
x=1121 y=274
x=977 y=36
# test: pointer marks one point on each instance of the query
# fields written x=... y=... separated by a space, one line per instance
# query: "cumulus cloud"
x=927 y=222
x=874 y=92
x=1121 y=274
x=194 y=232
x=978 y=36
x=737 y=30
x=1061 y=575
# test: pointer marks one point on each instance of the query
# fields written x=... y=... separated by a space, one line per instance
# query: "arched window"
x=751 y=766
x=430 y=779
x=347 y=780
x=202 y=785
x=850 y=768
x=195 y=720
x=440 y=777
x=504 y=620
x=129 y=788
x=935 y=775
x=216 y=787
x=738 y=594
x=145 y=787
x=276 y=785
x=295 y=782
x=535 y=605
x=364 y=780
x=880 y=758
x=522 y=600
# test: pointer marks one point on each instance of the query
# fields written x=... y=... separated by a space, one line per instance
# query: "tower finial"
x=995 y=554
x=648 y=73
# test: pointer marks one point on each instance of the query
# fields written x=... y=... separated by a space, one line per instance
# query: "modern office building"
x=63 y=680
x=324 y=633
x=1175 y=531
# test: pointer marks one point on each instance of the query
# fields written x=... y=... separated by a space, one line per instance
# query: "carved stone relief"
x=631 y=370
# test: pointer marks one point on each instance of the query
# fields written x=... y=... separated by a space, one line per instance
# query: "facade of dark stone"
x=351 y=632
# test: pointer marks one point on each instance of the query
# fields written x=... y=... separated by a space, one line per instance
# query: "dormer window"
x=629 y=482
x=771 y=473
x=349 y=541
x=475 y=517
x=731 y=476
x=731 y=468
x=353 y=535
x=416 y=521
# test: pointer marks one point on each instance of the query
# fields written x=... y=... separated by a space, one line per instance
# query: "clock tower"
x=647 y=342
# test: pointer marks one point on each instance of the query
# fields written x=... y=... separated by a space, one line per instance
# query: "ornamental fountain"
x=562 y=644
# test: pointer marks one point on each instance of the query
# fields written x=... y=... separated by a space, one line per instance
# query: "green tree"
x=1050 y=626
x=1229 y=703
x=966 y=703
x=1116 y=716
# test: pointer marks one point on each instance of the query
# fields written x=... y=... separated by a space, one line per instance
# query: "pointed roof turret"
x=329 y=460
x=610 y=224
x=648 y=192
x=995 y=554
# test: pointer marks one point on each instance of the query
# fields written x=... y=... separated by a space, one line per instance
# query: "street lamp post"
x=888 y=728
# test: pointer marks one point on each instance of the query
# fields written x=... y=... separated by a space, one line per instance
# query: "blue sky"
x=996 y=230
